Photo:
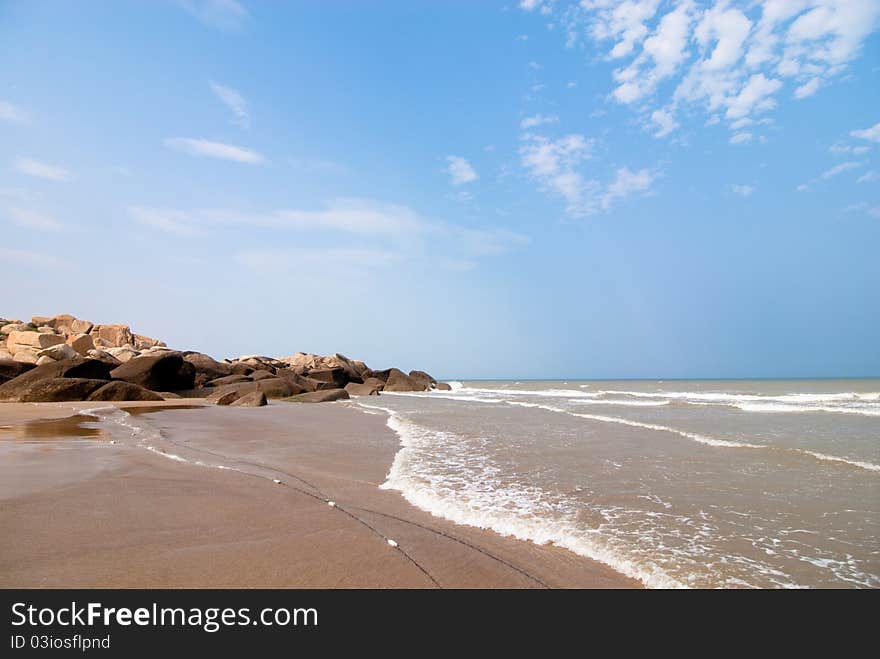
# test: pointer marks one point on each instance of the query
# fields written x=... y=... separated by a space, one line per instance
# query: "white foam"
x=508 y=509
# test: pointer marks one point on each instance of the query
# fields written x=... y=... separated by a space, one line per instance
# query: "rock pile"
x=63 y=358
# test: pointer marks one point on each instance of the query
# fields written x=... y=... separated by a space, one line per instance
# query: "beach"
x=187 y=498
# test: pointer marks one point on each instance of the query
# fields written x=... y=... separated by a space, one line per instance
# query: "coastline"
x=82 y=512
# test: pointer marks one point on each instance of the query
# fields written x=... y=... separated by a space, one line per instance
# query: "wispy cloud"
x=201 y=147
x=237 y=104
x=460 y=170
x=170 y=221
x=554 y=163
x=742 y=190
x=840 y=169
x=30 y=259
x=869 y=177
x=538 y=120
x=33 y=220
x=627 y=183
x=741 y=138
x=872 y=133
x=11 y=113
x=42 y=170
x=220 y=14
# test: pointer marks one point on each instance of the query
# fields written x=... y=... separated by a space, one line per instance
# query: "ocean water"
x=701 y=484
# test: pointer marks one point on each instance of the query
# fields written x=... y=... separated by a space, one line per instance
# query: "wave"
x=506 y=508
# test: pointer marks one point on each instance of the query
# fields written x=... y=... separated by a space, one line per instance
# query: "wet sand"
x=79 y=511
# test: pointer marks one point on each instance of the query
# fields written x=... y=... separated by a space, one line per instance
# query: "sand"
x=79 y=511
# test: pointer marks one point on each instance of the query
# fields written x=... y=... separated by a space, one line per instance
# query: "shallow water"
x=679 y=483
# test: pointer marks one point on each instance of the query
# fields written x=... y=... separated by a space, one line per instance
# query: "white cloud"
x=219 y=14
x=872 y=133
x=807 y=89
x=803 y=187
x=869 y=177
x=529 y=5
x=232 y=99
x=875 y=211
x=538 y=120
x=460 y=170
x=839 y=169
x=741 y=138
x=177 y=223
x=742 y=190
x=11 y=113
x=553 y=164
x=664 y=121
x=731 y=57
x=33 y=220
x=30 y=259
x=627 y=183
x=201 y=147
x=41 y=169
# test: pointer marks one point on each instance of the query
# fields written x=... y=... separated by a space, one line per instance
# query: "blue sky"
x=650 y=188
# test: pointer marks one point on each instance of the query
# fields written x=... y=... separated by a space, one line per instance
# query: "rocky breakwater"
x=63 y=358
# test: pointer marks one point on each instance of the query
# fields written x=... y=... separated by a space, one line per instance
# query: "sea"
x=679 y=484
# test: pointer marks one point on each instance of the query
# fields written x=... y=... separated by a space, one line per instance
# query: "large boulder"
x=123 y=353
x=253 y=399
x=159 y=372
x=279 y=387
x=78 y=367
x=39 y=340
x=335 y=376
x=423 y=378
x=119 y=390
x=375 y=382
x=228 y=379
x=400 y=381
x=238 y=368
x=355 y=389
x=105 y=357
x=115 y=335
x=207 y=368
x=142 y=342
x=325 y=396
x=59 y=352
x=56 y=390
x=10 y=369
x=82 y=343
x=443 y=386
x=9 y=328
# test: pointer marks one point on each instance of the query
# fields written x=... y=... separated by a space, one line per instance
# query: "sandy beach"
x=77 y=510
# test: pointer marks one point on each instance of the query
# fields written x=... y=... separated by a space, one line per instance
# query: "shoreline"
x=127 y=517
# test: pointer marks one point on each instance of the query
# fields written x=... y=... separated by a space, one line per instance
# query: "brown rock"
x=262 y=375
x=38 y=340
x=375 y=382
x=11 y=369
x=82 y=343
x=443 y=386
x=335 y=376
x=207 y=368
x=253 y=399
x=59 y=389
x=237 y=368
x=229 y=379
x=423 y=378
x=279 y=388
x=123 y=391
x=72 y=368
x=58 y=352
x=115 y=335
x=142 y=342
x=325 y=396
x=399 y=381
x=355 y=389
x=229 y=397
x=81 y=326
x=160 y=372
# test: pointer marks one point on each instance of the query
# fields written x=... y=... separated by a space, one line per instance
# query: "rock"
x=167 y=395
x=325 y=396
x=105 y=357
x=237 y=368
x=335 y=376
x=81 y=326
x=229 y=379
x=384 y=375
x=123 y=353
x=142 y=342
x=207 y=368
x=62 y=323
x=36 y=321
x=163 y=372
x=17 y=340
x=59 y=389
x=261 y=375
x=443 y=386
x=279 y=388
x=355 y=389
x=253 y=399
x=11 y=369
x=400 y=381
x=229 y=397
x=9 y=328
x=102 y=343
x=375 y=382
x=71 y=368
x=45 y=329
x=116 y=335
x=123 y=391
x=45 y=359
x=82 y=343
x=26 y=355
x=423 y=378
x=59 y=352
